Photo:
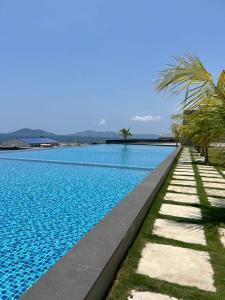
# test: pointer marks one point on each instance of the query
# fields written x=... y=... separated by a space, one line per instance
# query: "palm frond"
x=187 y=72
x=221 y=85
x=177 y=117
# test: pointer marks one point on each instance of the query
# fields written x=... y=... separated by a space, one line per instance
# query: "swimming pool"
x=115 y=155
x=46 y=208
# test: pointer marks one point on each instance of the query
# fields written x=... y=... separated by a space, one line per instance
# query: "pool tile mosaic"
x=45 y=210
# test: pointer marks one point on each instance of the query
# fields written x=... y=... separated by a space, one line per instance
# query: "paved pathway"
x=183 y=266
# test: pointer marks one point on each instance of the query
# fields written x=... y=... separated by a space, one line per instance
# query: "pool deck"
x=88 y=269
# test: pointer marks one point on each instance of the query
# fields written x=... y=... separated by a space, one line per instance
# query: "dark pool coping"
x=88 y=269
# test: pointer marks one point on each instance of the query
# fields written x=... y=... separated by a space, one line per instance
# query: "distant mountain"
x=98 y=134
x=25 y=132
x=88 y=136
x=112 y=135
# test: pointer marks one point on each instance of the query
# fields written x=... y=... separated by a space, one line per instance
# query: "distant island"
x=87 y=136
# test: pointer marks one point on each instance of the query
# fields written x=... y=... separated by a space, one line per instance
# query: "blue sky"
x=67 y=66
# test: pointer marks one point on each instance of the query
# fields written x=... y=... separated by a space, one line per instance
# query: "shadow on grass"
x=213 y=216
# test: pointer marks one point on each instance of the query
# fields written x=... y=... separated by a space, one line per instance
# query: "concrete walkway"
x=184 y=266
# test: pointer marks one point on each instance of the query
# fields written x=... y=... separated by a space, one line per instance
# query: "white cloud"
x=147 y=118
x=102 y=122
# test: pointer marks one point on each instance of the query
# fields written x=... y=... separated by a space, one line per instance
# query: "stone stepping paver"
x=215 y=192
x=181 y=211
x=190 y=170
x=185 y=173
x=210 y=179
x=184 y=168
x=182 y=189
x=222 y=235
x=218 y=202
x=210 y=175
x=181 y=177
x=185 y=160
x=192 y=199
x=205 y=175
x=209 y=172
x=187 y=165
x=183 y=182
x=177 y=265
x=214 y=185
x=206 y=168
x=200 y=160
x=135 y=295
x=185 y=232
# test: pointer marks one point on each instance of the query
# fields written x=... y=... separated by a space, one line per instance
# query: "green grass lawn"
x=217 y=158
x=127 y=278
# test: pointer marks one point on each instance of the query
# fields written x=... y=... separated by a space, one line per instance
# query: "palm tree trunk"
x=202 y=152
x=206 y=156
x=198 y=148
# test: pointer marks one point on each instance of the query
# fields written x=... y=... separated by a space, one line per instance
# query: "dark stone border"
x=88 y=269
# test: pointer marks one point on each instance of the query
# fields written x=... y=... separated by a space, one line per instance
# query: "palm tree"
x=200 y=130
x=204 y=103
x=125 y=133
x=176 y=130
x=190 y=73
x=202 y=127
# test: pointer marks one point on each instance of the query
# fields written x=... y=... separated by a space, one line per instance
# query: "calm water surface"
x=46 y=208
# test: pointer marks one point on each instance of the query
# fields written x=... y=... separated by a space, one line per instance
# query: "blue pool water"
x=46 y=208
x=131 y=155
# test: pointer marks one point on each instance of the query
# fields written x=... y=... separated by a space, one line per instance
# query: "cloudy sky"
x=67 y=66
